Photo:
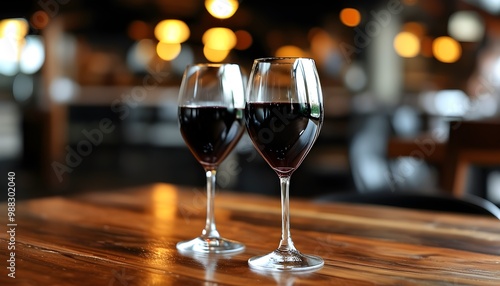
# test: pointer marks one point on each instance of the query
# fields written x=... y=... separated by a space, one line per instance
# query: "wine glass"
x=210 y=109
x=283 y=117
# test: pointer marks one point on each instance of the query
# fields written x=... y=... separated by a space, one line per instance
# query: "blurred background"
x=88 y=89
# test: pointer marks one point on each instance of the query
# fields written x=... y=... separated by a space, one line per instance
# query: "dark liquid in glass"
x=211 y=132
x=282 y=132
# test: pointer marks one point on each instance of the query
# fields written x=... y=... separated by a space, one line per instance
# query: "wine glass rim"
x=210 y=64
x=271 y=59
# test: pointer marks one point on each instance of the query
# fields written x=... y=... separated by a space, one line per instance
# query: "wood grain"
x=128 y=237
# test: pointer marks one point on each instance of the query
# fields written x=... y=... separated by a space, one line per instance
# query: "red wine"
x=283 y=133
x=211 y=132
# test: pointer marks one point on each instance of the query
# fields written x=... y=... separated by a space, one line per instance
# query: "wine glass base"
x=291 y=260
x=210 y=245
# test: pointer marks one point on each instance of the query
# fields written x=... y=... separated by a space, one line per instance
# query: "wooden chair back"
x=470 y=143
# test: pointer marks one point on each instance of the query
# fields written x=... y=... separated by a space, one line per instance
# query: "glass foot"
x=210 y=245
x=290 y=260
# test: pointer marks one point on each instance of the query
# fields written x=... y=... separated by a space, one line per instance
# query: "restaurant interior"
x=88 y=93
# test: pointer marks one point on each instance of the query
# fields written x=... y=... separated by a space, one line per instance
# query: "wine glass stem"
x=286 y=243
x=210 y=230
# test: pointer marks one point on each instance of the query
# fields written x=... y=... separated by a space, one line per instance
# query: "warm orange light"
x=172 y=31
x=243 y=40
x=138 y=30
x=219 y=39
x=221 y=9
x=40 y=19
x=415 y=28
x=15 y=28
x=350 y=17
x=162 y=197
x=168 y=51
x=406 y=44
x=446 y=49
x=290 y=51
x=215 y=55
x=322 y=44
x=12 y=42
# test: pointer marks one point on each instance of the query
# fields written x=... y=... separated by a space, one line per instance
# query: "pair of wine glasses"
x=281 y=106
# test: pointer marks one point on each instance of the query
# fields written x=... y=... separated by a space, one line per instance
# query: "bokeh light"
x=22 y=87
x=138 y=30
x=322 y=44
x=219 y=39
x=466 y=26
x=140 y=54
x=215 y=55
x=221 y=9
x=40 y=19
x=15 y=28
x=63 y=89
x=290 y=51
x=355 y=77
x=451 y=102
x=172 y=31
x=12 y=41
x=446 y=49
x=32 y=55
x=9 y=57
x=350 y=17
x=243 y=40
x=415 y=28
x=168 y=51
x=407 y=44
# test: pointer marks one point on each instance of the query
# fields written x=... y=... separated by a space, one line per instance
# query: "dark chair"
x=468 y=204
x=470 y=143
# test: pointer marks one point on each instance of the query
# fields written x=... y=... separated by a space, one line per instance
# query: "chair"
x=470 y=143
x=466 y=145
x=468 y=204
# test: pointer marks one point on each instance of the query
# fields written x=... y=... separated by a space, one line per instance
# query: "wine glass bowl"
x=283 y=118
x=210 y=113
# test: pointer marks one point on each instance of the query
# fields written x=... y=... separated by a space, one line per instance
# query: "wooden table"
x=128 y=237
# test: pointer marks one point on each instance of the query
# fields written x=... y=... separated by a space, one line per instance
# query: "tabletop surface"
x=128 y=237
